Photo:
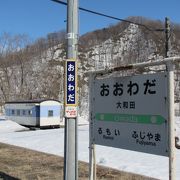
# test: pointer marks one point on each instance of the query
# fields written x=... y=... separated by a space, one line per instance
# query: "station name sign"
x=71 y=88
x=131 y=113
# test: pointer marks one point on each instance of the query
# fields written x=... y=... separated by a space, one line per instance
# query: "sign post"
x=172 y=153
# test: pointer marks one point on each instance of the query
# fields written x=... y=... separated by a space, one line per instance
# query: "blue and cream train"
x=35 y=113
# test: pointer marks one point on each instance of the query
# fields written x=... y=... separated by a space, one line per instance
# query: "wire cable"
x=111 y=17
x=119 y=19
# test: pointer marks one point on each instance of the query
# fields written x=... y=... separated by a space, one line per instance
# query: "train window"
x=24 y=112
x=50 y=113
x=13 y=112
x=18 y=112
x=29 y=112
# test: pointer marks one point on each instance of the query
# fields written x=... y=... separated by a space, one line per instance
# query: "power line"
x=111 y=17
x=118 y=19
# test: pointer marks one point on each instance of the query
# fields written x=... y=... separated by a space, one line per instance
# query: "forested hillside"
x=33 y=70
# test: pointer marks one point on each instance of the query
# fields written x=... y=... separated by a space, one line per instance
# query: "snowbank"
x=7 y=126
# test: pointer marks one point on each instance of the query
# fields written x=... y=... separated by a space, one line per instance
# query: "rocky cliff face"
x=41 y=74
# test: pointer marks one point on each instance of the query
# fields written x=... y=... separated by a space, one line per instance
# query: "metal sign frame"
x=169 y=63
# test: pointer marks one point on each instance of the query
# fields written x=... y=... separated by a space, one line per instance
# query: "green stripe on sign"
x=130 y=118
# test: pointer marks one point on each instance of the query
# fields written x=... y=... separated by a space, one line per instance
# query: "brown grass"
x=21 y=163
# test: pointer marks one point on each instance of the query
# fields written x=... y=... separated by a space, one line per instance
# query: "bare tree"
x=13 y=58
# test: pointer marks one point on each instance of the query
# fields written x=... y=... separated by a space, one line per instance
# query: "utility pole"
x=170 y=68
x=71 y=101
x=167 y=34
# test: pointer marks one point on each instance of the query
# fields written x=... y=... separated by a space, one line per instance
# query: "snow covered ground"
x=52 y=141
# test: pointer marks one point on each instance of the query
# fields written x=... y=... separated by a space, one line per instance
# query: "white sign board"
x=131 y=113
x=71 y=111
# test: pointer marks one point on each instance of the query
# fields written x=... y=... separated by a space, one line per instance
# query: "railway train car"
x=35 y=113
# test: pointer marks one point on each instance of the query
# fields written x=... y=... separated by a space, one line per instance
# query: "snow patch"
x=7 y=126
x=52 y=141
